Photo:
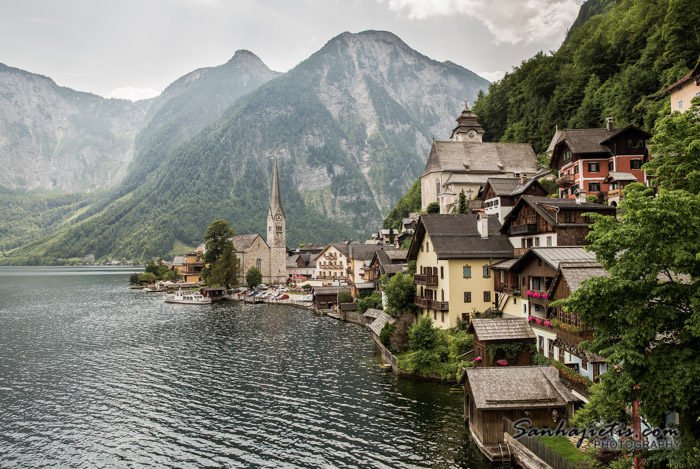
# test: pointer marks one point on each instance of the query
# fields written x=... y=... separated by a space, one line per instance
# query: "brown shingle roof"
x=372 y=313
x=243 y=242
x=555 y=255
x=547 y=207
x=494 y=157
x=502 y=329
x=620 y=177
x=457 y=237
x=517 y=387
x=378 y=323
x=576 y=272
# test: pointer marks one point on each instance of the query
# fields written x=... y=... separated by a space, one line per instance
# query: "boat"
x=187 y=297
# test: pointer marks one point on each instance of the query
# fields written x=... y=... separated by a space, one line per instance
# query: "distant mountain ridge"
x=352 y=125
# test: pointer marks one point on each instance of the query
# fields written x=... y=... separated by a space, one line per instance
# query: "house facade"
x=494 y=337
x=499 y=195
x=453 y=255
x=684 y=90
x=332 y=264
x=582 y=158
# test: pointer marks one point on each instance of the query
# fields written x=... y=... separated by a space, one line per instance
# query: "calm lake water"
x=95 y=375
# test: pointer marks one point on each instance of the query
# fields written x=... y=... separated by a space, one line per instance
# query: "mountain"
x=53 y=137
x=615 y=62
x=352 y=125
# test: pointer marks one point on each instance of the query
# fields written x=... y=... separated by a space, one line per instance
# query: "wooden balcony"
x=424 y=279
x=565 y=180
x=578 y=387
x=528 y=228
x=575 y=338
x=440 y=305
x=421 y=302
x=615 y=193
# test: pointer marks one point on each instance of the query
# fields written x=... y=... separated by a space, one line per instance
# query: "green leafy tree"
x=400 y=292
x=462 y=207
x=676 y=149
x=146 y=277
x=646 y=313
x=423 y=336
x=433 y=207
x=224 y=273
x=253 y=277
x=216 y=239
x=344 y=297
x=399 y=339
x=374 y=301
x=386 y=333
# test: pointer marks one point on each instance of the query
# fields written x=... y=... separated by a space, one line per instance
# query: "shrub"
x=373 y=301
x=423 y=336
x=147 y=277
x=386 y=333
x=460 y=343
x=399 y=339
x=344 y=297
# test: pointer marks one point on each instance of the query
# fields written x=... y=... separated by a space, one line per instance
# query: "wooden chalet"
x=492 y=394
x=566 y=281
x=499 y=195
x=490 y=333
x=543 y=221
x=616 y=182
x=387 y=262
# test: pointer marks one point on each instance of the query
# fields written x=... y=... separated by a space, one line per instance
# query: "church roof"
x=492 y=158
x=467 y=121
x=275 y=198
x=243 y=242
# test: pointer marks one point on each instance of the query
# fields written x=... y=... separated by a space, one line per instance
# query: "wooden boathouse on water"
x=495 y=337
x=494 y=394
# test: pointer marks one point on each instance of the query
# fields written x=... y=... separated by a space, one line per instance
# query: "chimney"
x=609 y=124
x=581 y=197
x=482 y=224
x=523 y=179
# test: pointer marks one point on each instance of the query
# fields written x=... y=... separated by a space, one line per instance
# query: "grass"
x=565 y=448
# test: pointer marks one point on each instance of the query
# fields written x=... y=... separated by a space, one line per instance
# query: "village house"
x=492 y=394
x=454 y=255
x=408 y=224
x=500 y=338
x=331 y=264
x=359 y=259
x=616 y=184
x=684 y=90
x=327 y=297
x=570 y=330
x=191 y=271
x=301 y=267
x=466 y=162
x=544 y=221
x=499 y=195
x=387 y=262
x=583 y=158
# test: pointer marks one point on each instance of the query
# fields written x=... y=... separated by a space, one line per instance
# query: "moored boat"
x=187 y=297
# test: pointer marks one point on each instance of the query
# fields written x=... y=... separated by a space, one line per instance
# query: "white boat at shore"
x=187 y=297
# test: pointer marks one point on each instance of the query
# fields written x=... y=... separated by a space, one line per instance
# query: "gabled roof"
x=573 y=273
x=504 y=265
x=363 y=252
x=517 y=387
x=378 y=323
x=620 y=177
x=470 y=157
x=548 y=207
x=457 y=237
x=342 y=247
x=333 y=290
x=501 y=329
x=694 y=73
x=390 y=261
x=372 y=313
x=590 y=140
x=179 y=260
x=243 y=242
x=292 y=261
x=554 y=256
x=509 y=187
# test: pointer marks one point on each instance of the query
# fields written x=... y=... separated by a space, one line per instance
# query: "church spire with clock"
x=468 y=129
x=277 y=232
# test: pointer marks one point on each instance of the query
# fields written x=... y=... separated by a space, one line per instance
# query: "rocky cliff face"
x=56 y=138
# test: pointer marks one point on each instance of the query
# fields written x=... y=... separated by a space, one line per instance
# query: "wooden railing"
x=541 y=450
x=615 y=193
x=575 y=338
x=440 y=305
x=581 y=388
x=528 y=228
x=424 y=279
x=421 y=302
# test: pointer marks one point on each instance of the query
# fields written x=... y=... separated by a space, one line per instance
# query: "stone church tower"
x=277 y=233
x=468 y=129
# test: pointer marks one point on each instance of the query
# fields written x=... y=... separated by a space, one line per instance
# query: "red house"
x=583 y=158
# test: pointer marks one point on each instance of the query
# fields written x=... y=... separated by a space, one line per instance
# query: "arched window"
x=258 y=264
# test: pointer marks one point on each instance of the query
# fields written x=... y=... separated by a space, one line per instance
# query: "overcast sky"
x=135 y=48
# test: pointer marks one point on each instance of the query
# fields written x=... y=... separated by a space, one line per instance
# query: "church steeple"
x=276 y=223
x=275 y=199
x=468 y=129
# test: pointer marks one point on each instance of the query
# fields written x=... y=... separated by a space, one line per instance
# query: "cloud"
x=40 y=20
x=132 y=93
x=492 y=76
x=510 y=21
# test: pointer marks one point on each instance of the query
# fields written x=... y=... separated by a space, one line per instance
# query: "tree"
x=646 y=313
x=399 y=339
x=224 y=273
x=253 y=277
x=423 y=336
x=374 y=301
x=433 y=207
x=400 y=292
x=344 y=297
x=217 y=239
x=676 y=146
x=463 y=207
x=391 y=236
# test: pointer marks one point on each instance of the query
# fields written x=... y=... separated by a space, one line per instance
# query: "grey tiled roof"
x=587 y=140
x=378 y=323
x=502 y=329
x=243 y=242
x=554 y=255
x=457 y=237
x=503 y=186
x=363 y=252
x=331 y=290
x=620 y=177
x=496 y=157
x=521 y=387
x=541 y=205
x=372 y=313
x=505 y=265
x=575 y=273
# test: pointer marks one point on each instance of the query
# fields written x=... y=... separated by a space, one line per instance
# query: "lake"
x=93 y=374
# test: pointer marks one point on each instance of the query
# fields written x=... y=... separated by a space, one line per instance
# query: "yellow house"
x=192 y=268
x=454 y=255
x=684 y=90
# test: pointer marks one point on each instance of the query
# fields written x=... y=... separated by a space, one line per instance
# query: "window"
x=437 y=187
x=258 y=264
x=563 y=194
x=567 y=155
x=515 y=301
x=467 y=297
x=594 y=187
x=584 y=364
x=632 y=143
x=593 y=167
x=427 y=246
x=549 y=240
x=636 y=164
x=487 y=296
x=279 y=228
x=523 y=243
x=435 y=315
x=442 y=272
x=442 y=316
x=486 y=272
x=503 y=276
x=680 y=104
x=421 y=248
x=610 y=165
x=537 y=241
x=576 y=169
x=442 y=295
x=467 y=271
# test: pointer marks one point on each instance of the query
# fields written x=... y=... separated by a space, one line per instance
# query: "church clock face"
x=279 y=217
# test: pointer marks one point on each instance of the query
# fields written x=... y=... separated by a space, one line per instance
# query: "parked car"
x=282 y=297
x=262 y=286
x=307 y=298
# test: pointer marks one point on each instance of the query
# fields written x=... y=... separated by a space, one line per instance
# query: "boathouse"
x=492 y=394
x=327 y=297
x=502 y=342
